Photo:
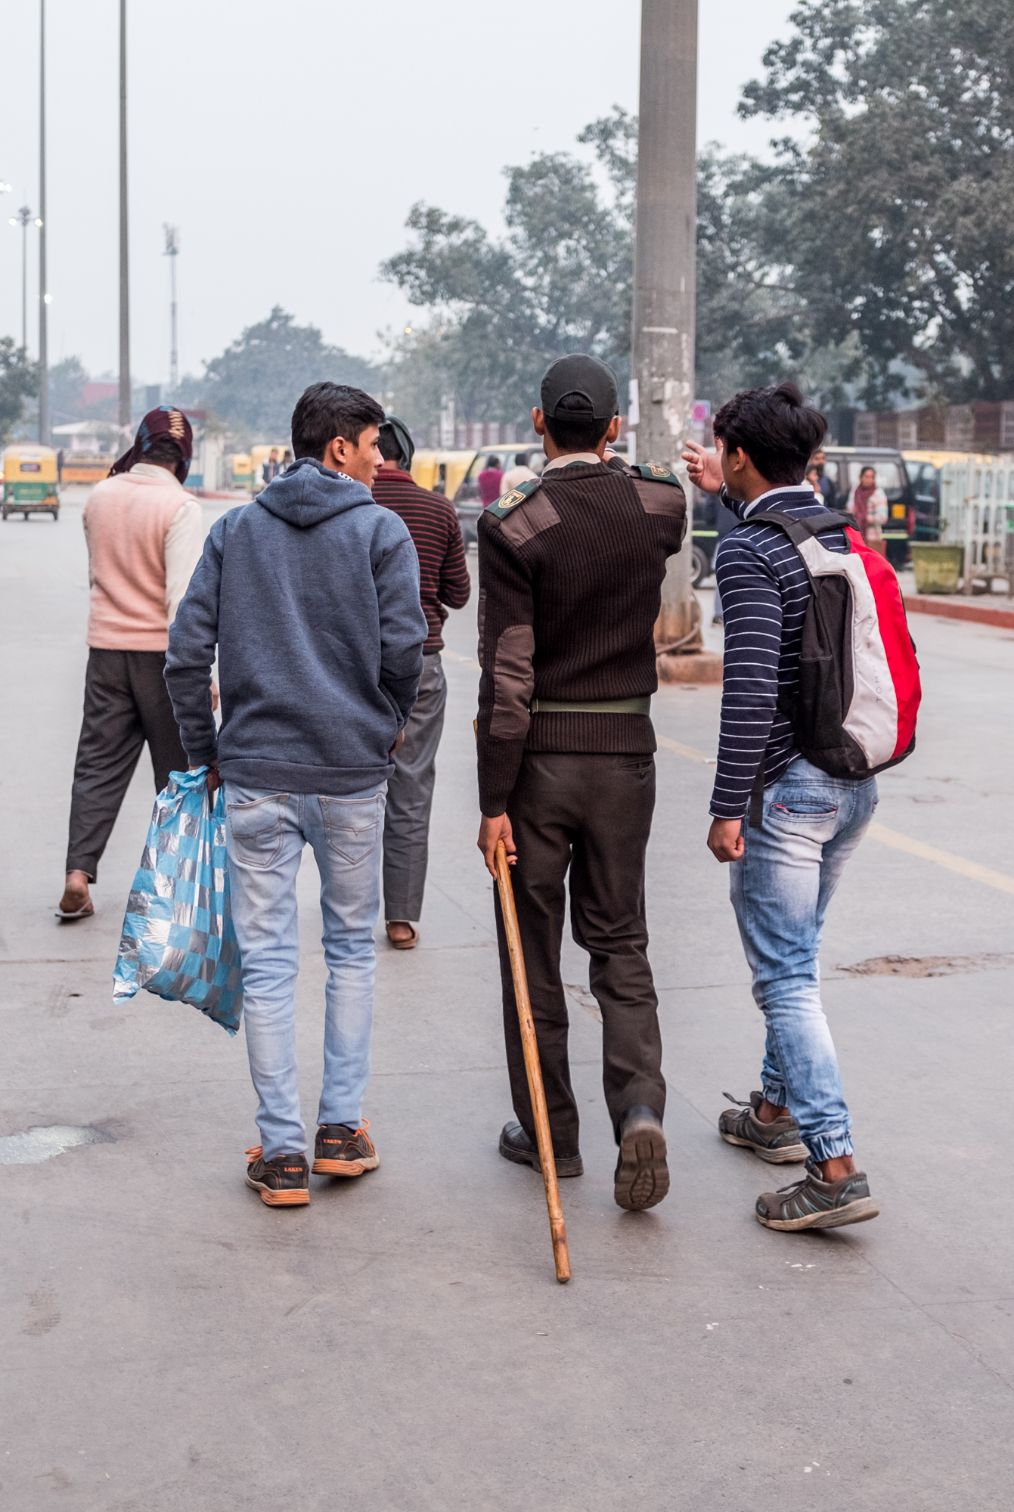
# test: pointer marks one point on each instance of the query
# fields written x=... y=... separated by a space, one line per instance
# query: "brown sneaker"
x=817 y=1204
x=778 y=1142
x=341 y=1151
x=283 y=1181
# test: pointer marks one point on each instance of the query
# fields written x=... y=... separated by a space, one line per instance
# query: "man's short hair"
x=390 y=446
x=583 y=433
x=776 y=428
x=326 y=410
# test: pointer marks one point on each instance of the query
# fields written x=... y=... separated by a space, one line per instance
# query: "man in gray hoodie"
x=311 y=596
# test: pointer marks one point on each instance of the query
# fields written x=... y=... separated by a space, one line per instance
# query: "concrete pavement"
x=168 y=1342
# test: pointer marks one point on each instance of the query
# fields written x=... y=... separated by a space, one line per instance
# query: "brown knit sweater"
x=569 y=590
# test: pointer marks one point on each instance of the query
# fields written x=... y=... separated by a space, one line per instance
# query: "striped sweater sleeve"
x=752 y=608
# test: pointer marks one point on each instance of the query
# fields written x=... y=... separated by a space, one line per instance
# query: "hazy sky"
x=287 y=140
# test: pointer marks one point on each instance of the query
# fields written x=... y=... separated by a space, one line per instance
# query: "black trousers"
x=125 y=706
x=593 y=815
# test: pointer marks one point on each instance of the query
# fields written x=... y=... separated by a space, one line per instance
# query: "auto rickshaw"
x=441 y=471
x=240 y=471
x=30 y=482
x=258 y=456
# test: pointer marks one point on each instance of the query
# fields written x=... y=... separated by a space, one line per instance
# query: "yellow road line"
x=999 y=881
x=971 y=869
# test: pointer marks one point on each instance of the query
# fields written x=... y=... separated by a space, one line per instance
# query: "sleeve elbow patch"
x=513 y=683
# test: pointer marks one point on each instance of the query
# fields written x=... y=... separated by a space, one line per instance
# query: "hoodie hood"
x=307 y=492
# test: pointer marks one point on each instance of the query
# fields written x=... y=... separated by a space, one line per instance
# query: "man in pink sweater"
x=145 y=536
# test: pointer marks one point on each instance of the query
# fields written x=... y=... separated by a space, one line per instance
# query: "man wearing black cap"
x=570 y=574
x=444 y=584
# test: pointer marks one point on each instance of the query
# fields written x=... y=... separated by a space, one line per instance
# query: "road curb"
x=691 y=667
x=978 y=614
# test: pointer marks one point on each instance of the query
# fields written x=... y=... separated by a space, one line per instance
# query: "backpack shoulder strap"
x=800 y=530
x=513 y=497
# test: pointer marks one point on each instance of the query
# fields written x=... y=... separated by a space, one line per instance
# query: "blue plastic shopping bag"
x=178 y=939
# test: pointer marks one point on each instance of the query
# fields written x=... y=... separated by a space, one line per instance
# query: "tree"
x=19 y=381
x=558 y=279
x=896 y=210
x=255 y=382
x=66 y=387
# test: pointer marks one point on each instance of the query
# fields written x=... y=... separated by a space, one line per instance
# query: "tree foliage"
x=896 y=206
x=254 y=384
x=19 y=381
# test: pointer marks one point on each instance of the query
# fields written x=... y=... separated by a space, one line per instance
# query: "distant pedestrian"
x=825 y=482
x=570 y=575
x=813 y=478
x=271 y=467
x=520 y=471
x=310 y=595
x=787 y=827
x=490 y=480
x=444 y=584
x=868 y=505
x=144 y=534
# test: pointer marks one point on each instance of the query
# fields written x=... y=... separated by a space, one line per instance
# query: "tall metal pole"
x=43 y=227
x=125 y=395
x=665 y=268
x=172 y=251
x=23 y=219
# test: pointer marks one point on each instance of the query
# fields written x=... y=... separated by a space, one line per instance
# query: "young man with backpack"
x=821 y=691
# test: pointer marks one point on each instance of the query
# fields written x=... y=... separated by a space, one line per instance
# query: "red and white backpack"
x=859 y=692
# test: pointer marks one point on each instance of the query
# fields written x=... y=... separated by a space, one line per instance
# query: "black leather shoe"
x=515 y=1145
x=642 y=1175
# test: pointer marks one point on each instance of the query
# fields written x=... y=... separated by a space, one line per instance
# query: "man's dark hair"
x=776 y=428
x=492 y=461
x=164 y=452
x=390 y=446
x=580 y=434
x=326 y=410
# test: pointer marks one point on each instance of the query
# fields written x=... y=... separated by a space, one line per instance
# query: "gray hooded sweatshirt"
x=311 y=595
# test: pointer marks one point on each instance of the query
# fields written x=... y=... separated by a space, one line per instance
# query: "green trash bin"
x=938 y=567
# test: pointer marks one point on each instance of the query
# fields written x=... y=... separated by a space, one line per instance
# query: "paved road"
x=400 y=1346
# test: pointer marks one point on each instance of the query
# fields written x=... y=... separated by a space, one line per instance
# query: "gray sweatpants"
x=410 y=798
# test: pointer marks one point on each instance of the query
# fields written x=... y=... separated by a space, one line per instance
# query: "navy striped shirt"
x=765 y=592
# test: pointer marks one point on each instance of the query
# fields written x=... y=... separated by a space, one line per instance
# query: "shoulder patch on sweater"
x=651 y=472
x=513 y=498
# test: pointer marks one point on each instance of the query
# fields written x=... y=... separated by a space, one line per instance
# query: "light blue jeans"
x=780 y=892
x=265 y=834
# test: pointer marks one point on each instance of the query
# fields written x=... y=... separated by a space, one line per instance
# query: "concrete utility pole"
x=41 y=223
x=664 y=269
x=125 y=396
x=172 y=251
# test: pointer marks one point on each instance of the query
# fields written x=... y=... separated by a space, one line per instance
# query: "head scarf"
x=164 y=421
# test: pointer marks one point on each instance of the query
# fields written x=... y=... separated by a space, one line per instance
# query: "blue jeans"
x=780 y=891
x=265 y=835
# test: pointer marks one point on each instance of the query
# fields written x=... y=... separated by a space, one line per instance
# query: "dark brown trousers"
x=126 y=706
x=591 y=814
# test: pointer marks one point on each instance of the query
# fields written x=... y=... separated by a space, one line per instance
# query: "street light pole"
x=125 y=394
x=172 y=251
x=664 y=271
x=41 y=223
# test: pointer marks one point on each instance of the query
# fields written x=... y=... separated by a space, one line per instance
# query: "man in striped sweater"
x=787 y=827
x=443 y=584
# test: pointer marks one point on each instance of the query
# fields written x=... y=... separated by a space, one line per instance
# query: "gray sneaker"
x=817 y=1204
x=777 y=1142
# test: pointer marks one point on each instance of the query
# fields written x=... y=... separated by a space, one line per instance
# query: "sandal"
x=410 y=943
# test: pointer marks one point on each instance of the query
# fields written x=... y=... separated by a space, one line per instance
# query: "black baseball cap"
x=580 y=377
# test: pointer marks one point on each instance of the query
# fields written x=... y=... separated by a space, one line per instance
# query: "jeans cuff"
x=774 y=1094
x=829 y=1146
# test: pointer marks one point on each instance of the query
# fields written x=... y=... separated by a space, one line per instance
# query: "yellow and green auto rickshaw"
x=30 y=482
x=240 y=471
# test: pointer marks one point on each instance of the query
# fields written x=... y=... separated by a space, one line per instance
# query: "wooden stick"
x=533 y=1068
